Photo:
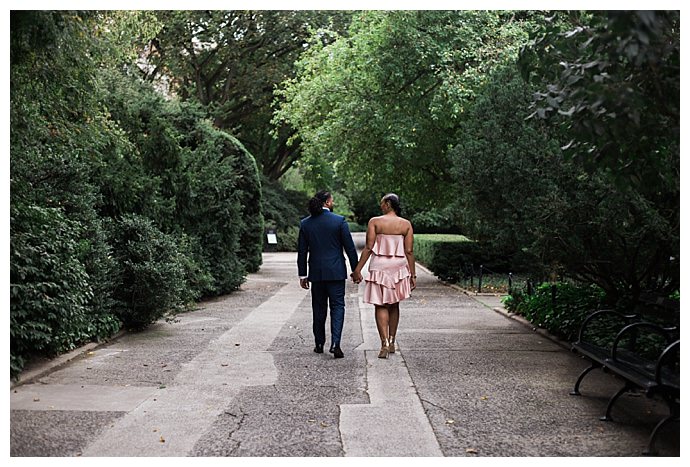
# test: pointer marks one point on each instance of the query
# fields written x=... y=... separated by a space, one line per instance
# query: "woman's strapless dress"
x=389 y=274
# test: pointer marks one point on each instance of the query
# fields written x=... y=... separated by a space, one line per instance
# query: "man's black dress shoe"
x=337 y=353
x=331 y=349
x=318 y=348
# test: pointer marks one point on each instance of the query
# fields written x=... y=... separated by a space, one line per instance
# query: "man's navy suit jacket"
x=321 y=242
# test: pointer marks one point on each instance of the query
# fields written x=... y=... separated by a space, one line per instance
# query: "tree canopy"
x=230 y=62
x=380 y=107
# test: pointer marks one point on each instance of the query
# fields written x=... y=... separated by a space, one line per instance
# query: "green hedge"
x=124 y=205
x=151 y=272
x=446 y=255
x=50 y=291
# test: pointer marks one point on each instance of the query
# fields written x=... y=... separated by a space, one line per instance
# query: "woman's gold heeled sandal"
x=391 y=345
x=383 y=353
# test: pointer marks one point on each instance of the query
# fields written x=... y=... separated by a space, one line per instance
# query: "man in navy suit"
x=322 y=238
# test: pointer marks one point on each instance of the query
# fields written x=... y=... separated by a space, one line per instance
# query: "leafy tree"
x=611 y=80
x=380 y=107
x=524 y=196
x=230 y=62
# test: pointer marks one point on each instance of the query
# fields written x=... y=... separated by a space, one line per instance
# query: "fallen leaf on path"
x=155 y=430
x=484 y=398
x=36 y=399
x=89 y=353
x=223 y=364
x=162 y=439
x=324 y=424
x=311 y=420
x=471 y=451
x=450 y=421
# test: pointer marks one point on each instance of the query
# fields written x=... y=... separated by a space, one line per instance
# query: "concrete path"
x=237 y=377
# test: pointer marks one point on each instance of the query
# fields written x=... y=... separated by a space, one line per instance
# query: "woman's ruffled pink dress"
x=389 y=274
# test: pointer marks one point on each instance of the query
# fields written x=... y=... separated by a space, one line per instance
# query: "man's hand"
x=356 y=277
x=304 y=283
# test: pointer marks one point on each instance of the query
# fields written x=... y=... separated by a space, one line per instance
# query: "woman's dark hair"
x=393 y=199
x=315 y=205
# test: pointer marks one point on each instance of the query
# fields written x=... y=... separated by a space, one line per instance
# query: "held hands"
x=356 y=277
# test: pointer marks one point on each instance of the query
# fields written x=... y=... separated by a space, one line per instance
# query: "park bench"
x=643 y=353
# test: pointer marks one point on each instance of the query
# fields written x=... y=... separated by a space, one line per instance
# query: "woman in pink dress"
x=391 y=269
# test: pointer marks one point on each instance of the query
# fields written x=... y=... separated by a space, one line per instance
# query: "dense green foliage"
x=449 y=257
x=194 y=179
x=523 y=195
x=52 y=303
x=229 y=62
x=453 y=257
x=283 y=209
x=379 y=107
x=611 y=81
x=151 y=276
x=125 y=206
x=560 y=308
x=60 y=270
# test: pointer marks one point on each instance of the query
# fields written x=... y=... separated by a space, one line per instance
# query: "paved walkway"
x=237 y=377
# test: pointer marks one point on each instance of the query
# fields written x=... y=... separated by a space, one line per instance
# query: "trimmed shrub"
x=448 y=256
x=207 y=183
x=152 y=272
x=248 y=194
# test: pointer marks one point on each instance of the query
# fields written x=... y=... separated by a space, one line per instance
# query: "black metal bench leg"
x=674 y=416
x=623 y=390
x=576 y=389
x=651 y=448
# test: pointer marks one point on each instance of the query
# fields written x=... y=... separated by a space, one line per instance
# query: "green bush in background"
x=560 y=308
x=151 y=272
x=283 y=209
x=448 y=256
x=355 y=227
x=93 y=146
x=50 y=290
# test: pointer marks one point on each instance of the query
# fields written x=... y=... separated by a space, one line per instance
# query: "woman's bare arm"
x=368 y=246
x=409 y=254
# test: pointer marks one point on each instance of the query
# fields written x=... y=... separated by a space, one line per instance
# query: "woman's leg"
x=382 y=326
x=393 y=319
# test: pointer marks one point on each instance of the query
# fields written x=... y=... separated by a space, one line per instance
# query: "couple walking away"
x=323 y=236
